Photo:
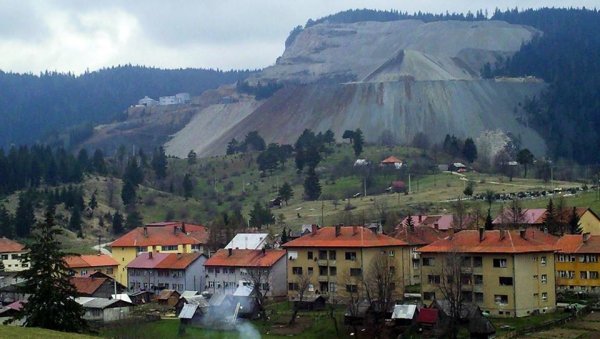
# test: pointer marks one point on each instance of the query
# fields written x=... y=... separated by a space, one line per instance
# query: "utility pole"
x=409 y=188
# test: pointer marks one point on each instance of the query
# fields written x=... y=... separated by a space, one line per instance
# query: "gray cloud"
x=76 y=35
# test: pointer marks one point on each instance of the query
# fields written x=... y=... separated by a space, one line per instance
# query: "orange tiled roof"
x=574 y=243
x=245 y=258
x=391 y=160
x=325 y=237
x=178 y=261
x=87 y=285
x=467 y=241
x=7 y=245
x=94 y=260
x=163 y=234
x=421 y=235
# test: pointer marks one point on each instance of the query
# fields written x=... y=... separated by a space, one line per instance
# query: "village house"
x=416 y=238
x=230 y=268
x=82 y=265
x=577 y=265
x=336 y=259
x=249 y=241
x=104 y=309
x=441 y=222
x=158 y=271
x=163 y=237
x=97 y=286
x=392 y=162
x=11 y=253
x=536 y=217
x=506 y=273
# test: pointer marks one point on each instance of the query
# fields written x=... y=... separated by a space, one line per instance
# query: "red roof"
x=7 y=246
x=442 y=222
x=578 y=243
x=245 y=258
x=325 y=237
x=94 y=260
x=428 y=316
x=163 y=234
x=467 y=241
x=177 y=261
x=420 y=235
x=531 y=216
x=391 y=160
x=87 y=285
x=144 y=260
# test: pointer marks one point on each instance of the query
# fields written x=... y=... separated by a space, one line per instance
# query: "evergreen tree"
x=348 y=134
x=469 y=150
x=409 y=224
x=75 y=220
x=525 y=158
x=329 y=137
x=232 y=147
x=24 y=216
x=6 y=223
x=358 y=142
x=284 y=236
x=286 y=192
x=2 y=267
x=51 y=302
x=117 y=223
x=93 y=203
x=261 y=215
x=188 y=186
x=98 y=162
x=159 y=163
x=574 y=226
x=128 y=193
x=551 y=219
x=192 y=157
x=488 y=221
x=254 y=142
x=133 y=173
x=83 y=159
x=134 y=219
x=312 y=187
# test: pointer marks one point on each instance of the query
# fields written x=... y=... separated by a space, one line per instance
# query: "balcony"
x=322 y=262
x=416 y=255
x=323 y=278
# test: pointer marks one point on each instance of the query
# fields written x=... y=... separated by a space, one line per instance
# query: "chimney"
x=338 y=229
x=354 y=229
x=179 y=255
x=150 y=255
x=314 y=229
x=545 y=230
x=230 y=251
x=145 y=231
x=264 y=251
x=175 y=228
x=183 y=227
x=586 y=236
x=420 y=218
x=522 y=233
x=451 y=232
x=436 y=226
x=481 y=234
x=502 y=234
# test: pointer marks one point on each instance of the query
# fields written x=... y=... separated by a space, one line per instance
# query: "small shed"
x=457 y=167
x=311 y=303
x=104 y=309
x=391 y=161
x=9 y=311
x=356 y=313
x=141 y=297
x=481 y=327
x=428 y=317
x=193 y=310
x=404 y=315
x=168 y=297
x=398 y=186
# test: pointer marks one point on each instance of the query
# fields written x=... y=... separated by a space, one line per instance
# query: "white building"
x=177 y=99
x=248 y=241
x=11 y=253
x=147 y=101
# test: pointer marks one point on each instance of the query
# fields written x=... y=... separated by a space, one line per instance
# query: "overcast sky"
x=79 y=35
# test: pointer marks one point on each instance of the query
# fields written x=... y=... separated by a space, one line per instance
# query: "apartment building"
x=336 y=261
x=577 y=265
x=507 y=273
x=158 y=271
x=11 y=254
x=416 y=237
x=82 y=265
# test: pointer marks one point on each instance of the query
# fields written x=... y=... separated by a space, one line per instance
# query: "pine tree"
x=286 y=192
x=488 y=221
x=117 y=223
x=75 y=220
x=6 y=223
x=51 y=302
x=409 y=224
x=284 y=236
x=574 y=226
x=192 y=157
x=312 y=187
x=24 y=217
x=98 y=162
x=551 y=219
x=188 y=186
x=134 y=219
x=469 y=150
x=128 y=194
x=159 y=163
x=2 y=267
x=358 y=142
x=93 y=203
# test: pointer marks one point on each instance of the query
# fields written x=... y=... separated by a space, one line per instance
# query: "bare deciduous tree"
x=259 y=278
x=450 y=286
x=302 y=282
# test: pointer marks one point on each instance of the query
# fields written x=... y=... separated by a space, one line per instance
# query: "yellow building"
x=588 y=220
x=577 y=265
x=83 y=265
x=11 y=254
x=167 y=237
x=507 y=273
x=336 y=261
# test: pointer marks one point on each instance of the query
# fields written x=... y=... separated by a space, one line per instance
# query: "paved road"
x=102 y=248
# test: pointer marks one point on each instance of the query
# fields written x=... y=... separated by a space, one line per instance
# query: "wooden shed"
x=168 y=297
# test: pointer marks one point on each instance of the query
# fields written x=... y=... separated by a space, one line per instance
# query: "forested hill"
x=34 y=106
x=567 y=56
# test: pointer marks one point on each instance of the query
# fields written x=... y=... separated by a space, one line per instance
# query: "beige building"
x=336 y=261
x=11 y=254
x=507 y=273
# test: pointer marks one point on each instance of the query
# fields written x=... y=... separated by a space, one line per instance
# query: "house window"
x=331 y=255
x=217 y=270
x=351 y=256
x=322 y=255
x=309 y=255
x=27 y=265
x=310 y=270
x=428 y=295
x=505 y=281
x=544 y=296
x=433 y=279
x=478 y=279
x=391 y=253
x=210 y=270
x=331 y=287
x=355 y=272
x=593 y=258
x=195 y=247
x=543 y=261
x=169 y=248
x=4 y=256
x=322 y=270
x=292 y=286
x=297 y=270
x=142 y=249
x=465 y=262
x=500 y=263
x=593 y=274
x=544 y=278
x=415 y=263
x=83 y=272
x=477 y=262
x=428 y=261
x=231 y=270
x=351 y=288
x=332 y=270
x=501 y=299
x=465 y=279
x=467 y=296
x=562 y=258
x=562 y=274
x=583 y=275
x=478 y=297
x=571 y=274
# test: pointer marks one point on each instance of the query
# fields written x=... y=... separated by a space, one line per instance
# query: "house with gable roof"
x=158 y=271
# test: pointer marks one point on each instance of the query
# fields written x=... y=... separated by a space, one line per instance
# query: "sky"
x=75 y=36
